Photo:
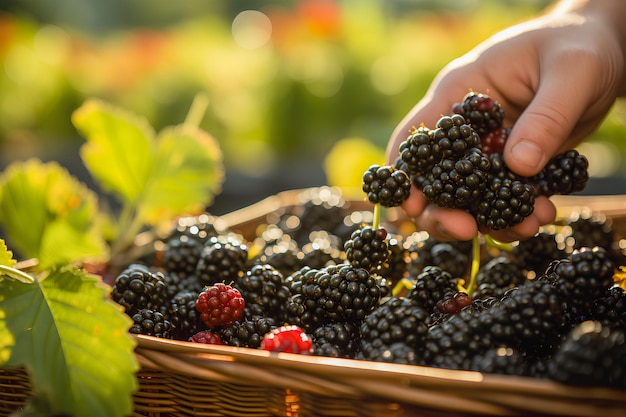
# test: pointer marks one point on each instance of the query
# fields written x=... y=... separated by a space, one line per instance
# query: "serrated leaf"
x=73 y=340
x=6 y=256
x=119 y=148
x=188 y=173
x=48 y=214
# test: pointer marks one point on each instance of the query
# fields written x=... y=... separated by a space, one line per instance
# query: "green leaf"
x=73 y=340
x=119 y=148
x=188 y=172
x=6 y=256
x=48 y=214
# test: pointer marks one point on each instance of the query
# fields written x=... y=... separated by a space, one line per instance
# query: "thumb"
x=544 y=127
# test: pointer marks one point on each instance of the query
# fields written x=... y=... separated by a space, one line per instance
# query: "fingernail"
x=528 y=154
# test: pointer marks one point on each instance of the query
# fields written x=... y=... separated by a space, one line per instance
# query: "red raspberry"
x=220 y=305
x=207 y=337
x=289 y=339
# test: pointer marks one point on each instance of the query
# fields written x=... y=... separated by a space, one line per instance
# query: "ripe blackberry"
x=494 y=140
x=480 y=111
x=610 y=308
x=537 y=252
x=454 y=137
x=504 y=203
x=398 y=352
x=151 y=323
x=222 y=259
x=137 y=288
x=339 y=340
x=200 y=228
x=457 y=182
x=337 y=293
x=591 y=355
x=397 y=320
x=566 y=173
x=248 y=332
x=288 y=339
x=181 y=255
x=453 y=257
x=528 y=318
x=183 y=315
x=322 y=208
x=431 y=285
x=497 y=276
x=582 y=277
x=501 y=360
x=397 y=265
x=418 y=153
x=386 y=185
x=207 y=337
x=220 y=305
x=265 y=292
x=367 y=248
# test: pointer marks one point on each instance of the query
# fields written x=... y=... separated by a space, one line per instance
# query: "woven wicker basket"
x=180 y=378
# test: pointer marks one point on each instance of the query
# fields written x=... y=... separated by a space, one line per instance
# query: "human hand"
x=556 y=76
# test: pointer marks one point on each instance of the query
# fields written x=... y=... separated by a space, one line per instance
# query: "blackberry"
x=431 y=285
x=457 y=182
x=386 y=185
x=497 y=276
x=221 y=260
x=481 y=112
x=397 y=320
x=537 y=252
x=248 y=332
x=610 y=308
x=591 y=355
x=582 y=277
x=184 y=317
x=528 y=318
x=339 y=340
x=322 y=208
x=367 y=248
x=494 y=140
x=397 y=265
x=501 y=360
x=453 y=303
x=454 y=137
x=453 y=257
x=137 y=288
x=337 y=293
x=505 y=203
x=589 y=230
x=200 y=228
x=265 y=292
x=566 y=173
x=181 y=255
x=398 y=352
x=418 y=153
x=151 y=323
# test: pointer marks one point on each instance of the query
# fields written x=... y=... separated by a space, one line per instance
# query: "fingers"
x=447 y=224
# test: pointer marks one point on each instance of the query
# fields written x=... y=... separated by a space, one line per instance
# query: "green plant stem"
x=505 y=247
x=197 y=110
x=475 y=266
x=376 y=220
x=17 y=274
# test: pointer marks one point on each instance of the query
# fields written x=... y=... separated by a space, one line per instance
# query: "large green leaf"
x=48 y=214
x=188 y=172
x=119 y=148
x=72 y=339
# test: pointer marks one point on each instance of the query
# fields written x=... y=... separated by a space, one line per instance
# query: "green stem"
x=505 y=247
x=475 y=265
x=376 y=221
x=17 y=274
x=197 y=110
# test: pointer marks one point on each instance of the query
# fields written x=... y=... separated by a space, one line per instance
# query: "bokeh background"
x=302 y=93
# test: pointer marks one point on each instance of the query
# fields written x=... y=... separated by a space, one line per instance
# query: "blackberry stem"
x=403 y=284
x=505 y=247
x=197 y=110
x=376 y=220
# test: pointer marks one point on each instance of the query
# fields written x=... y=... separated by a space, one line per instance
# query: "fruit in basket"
x=137 y=287
x=222 y=259
x=287 y=339
x=265 y=291
x=151 y=323
x=207 y=337
x=248 y=332
x=367 y=248
x=338 y=340
x=184 y=316
x=220 y=305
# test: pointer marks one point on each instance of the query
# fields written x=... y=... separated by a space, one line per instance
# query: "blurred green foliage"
x=330 y=69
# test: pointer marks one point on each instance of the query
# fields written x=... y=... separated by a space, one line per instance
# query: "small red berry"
x=493 y=141
x=207 y=337
x=453 y=304
x=220 y=305
x=289 y=339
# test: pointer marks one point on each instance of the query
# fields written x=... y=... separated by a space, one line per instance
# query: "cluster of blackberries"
x=541 y=308
x=459 y=164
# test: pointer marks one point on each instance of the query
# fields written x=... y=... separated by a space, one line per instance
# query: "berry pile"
x=321 y=278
